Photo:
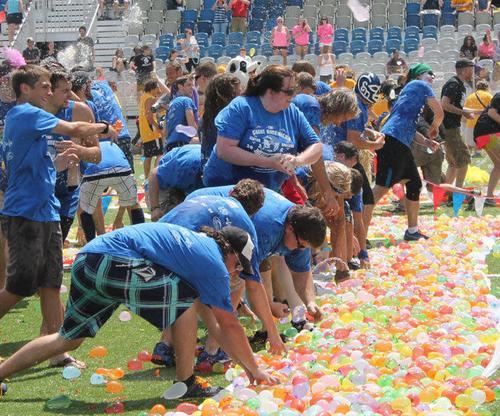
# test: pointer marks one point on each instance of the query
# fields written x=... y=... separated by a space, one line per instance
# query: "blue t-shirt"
x=332 y=134
x=108 y=108
x=216 y=212
x=402 y=122
x=269 y=224
x=192 y=256
x=31 y=175
x=112 y=157
x=176 y=116
x=322 y=88
x=68 y=198
x=246 y=121
x=309 y=105
x=181 y=168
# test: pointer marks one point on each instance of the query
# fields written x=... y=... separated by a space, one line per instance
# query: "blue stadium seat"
x=412 y=32
x=186 y=25
x=411 y=44
x=253 y=37
x=413 y=8
x=235 y=38
x=375 y=45
x=357 y=46
x=358 y=33
x=166 y=40
x=269 y=24
x=232 y=50
x=266 y=50
x=259 y=13
x=394 y=32
x=448 y=19
x=206 y=15
x=219 y=38
x=339 y=46
x=413 y=19
x=294 y=3
x=430 y=32
x=189 y=15
x=202 y=39
x=203 y=51
x=162 y=52
x=204 y=26
x=392 y=44
x=377 y=33
x=256 y=24
x=254 y=46
x=260 y=3
x=430 y=20
x=446 y=8
x=317 y=48
x=215 y=51
x=207 y=4
x=341 y=34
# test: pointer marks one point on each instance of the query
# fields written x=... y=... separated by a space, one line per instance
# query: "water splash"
x=132 y=20
x=76 y=55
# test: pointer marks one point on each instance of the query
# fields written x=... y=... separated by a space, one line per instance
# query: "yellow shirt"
x=473 y=102
x=349 y=83
x=381 y=106
x=148 y=134
x=462 y=5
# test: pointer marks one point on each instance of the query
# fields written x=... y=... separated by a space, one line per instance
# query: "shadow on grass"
x=162 y=373
x=9 y=348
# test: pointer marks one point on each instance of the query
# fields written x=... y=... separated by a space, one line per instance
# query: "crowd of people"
x=246 y=172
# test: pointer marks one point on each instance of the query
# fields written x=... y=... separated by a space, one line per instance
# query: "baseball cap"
x=463 y=63
x=242 y=244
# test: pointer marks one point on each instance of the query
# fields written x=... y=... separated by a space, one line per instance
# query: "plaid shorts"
x=100 y=283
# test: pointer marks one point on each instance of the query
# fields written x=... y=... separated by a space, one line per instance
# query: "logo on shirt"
x=268 y=141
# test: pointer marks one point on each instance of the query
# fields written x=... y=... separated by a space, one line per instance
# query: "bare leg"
x=118 y=222
x=37 y=351
x=98 y=216
x=494 y=155
x=368 y=212
x=451 y=174
x=184 y=336
x=7 y=301
x=461 y=174
x=378 y=193
x=282 y=273
x=147 y=166
x=3 y=260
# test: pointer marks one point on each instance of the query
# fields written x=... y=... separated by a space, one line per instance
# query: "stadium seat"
x=392 y=44
x=215 y=51
x=339 y=46
x=259 y=13
x=448 y=19
x=236 y=38
x=375 y=45
x=206 y=15
x=394 y=32
x=231 y=50
x=341 y=34
x=412 y=32
x=413 y=20
x=429 y=32
x=357 y=46
x=256 y=24
x=465 y=18
x=162 y=52
x=483 y=18
x=173 y=15
x=219 y=38
x=252 y=49
x=411 y=44
x=193 y=4
x=170 y=27
x=204 y=26
x=166 y=40
x=379 y=21
x=412 y=8
x=430 y=20
x=189 y=15
x=358 y=33
x=377 y=33
x=266 y=50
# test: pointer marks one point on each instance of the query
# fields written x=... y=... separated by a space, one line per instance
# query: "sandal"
x=69 y=360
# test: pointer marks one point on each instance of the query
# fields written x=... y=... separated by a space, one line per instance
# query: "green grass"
x=30 y=389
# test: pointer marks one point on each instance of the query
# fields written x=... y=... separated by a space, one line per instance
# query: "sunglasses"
x=288 y=91
x=300 y=246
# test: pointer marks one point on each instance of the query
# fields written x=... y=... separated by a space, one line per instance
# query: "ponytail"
x=219 y=239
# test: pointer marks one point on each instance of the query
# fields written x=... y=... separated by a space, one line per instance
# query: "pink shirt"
x=300 y=35
x=325 y=34
x=280 y=36
x=486 y=50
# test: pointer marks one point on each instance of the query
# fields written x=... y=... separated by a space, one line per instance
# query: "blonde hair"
x=339 y=101
x=339 y=176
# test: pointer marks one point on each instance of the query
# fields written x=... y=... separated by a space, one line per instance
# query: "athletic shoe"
x=490 y=203
x=201 y=388
x=3 y=389
x=219 y=357
x=163 y=354
x=299 y=326
x=414 y=236
x=354 y=264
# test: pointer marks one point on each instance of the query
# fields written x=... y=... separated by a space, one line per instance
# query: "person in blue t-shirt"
x=321 y=87
x=178 y=174
x=166 y=274
x=30 y=215
x=262 y=135
x=288 y=230
x=356 y=132
x=181 y=112
x=395 y=160
x=68 y=181
x=245 y=199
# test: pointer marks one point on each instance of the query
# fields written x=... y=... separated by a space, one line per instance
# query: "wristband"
x=106 y=129
x=363 y=255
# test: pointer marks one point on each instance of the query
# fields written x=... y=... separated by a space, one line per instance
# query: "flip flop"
x=69 y=361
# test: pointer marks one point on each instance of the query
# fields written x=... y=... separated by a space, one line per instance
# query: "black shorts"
x=280 y=48
x=368 y=198
x=35 y=255
x=395 y=163
x=171 y=146
x=125 y=144
x=153 y=148
x=100 y=283
x=66 y=223
x=15 y=18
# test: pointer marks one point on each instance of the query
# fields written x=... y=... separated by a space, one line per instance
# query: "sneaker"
x=354 y=264
x=219 y=357
x=414 y=236
x=490 y=203
x=299 y=326
x=3 y=389
x=163 y=354
x=201 y=388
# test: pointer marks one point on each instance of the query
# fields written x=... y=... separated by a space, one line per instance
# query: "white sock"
x=412 y=230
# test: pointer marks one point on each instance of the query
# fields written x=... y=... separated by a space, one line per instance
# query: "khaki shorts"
x=431 y=164
x=457 y=154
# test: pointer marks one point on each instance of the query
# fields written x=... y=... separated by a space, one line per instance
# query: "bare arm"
x=319 y=172
x=303 y=283
x=90 y=151
x=149 y=114
x=492 y=113
x=436 y=108
x=450 y=108
x=190 y=118
x=82 y=129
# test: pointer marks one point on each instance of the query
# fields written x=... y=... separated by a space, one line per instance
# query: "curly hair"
x=339 y=176
x=308 y=223
x=250 y=194
x=219 y=239
x=219 y=93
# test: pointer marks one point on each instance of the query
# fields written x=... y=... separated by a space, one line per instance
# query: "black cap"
x=463 y=63
x=242 y=244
